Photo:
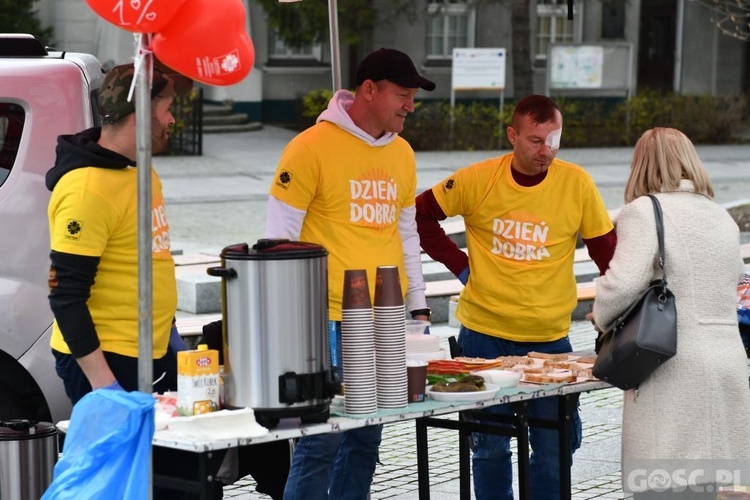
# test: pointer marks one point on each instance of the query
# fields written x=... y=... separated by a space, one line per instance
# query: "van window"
x=12 y=118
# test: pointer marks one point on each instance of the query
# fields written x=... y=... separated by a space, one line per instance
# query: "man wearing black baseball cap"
x=322 y=193
x=392 y=65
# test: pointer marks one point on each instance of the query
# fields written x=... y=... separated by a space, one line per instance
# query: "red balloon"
x=207 y=41
x=140 y=16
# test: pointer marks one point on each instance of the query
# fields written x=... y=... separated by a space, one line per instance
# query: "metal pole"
x=452 y=116
x=629 y=92
x=333 y=26
x=502 y=105
x=145 y=279
x=679 y=45
x=145 y=275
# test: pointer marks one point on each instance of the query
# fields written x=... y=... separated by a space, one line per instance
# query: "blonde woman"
x=686 y=429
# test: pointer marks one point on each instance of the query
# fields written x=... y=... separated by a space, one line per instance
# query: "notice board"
x=477 y=69
x=589 y=67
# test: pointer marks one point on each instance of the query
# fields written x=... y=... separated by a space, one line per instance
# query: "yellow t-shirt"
x=353 y=194
x=521 y=244
x=93 y=212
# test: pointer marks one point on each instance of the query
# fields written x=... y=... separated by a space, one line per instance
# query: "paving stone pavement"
x=596 y=467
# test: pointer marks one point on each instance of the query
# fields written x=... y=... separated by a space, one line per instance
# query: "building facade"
x=660 y=44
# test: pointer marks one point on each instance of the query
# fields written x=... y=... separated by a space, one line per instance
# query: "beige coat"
x=697 y=405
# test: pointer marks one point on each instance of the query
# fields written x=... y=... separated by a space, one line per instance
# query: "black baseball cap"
x=394 y=66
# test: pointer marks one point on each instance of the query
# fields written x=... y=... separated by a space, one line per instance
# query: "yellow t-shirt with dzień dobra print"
x=352 y=194
x=521 y=244
x=93 y=212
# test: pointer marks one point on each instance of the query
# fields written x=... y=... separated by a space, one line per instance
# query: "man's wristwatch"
x=421 y=312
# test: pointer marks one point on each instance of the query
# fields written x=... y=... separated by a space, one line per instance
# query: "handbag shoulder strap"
x=659 y=232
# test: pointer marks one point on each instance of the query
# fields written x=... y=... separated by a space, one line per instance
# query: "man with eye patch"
x=523 y=212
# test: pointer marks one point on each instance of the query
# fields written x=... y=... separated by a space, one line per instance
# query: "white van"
x=42 y=95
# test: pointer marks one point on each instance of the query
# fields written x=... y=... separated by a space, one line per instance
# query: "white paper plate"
x=426 y=356
x=488 y=393
x=500 y=378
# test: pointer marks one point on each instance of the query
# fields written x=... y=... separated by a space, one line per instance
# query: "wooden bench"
x=192 y=326
x=745 y=252
x=194 y=263
x=586 y=291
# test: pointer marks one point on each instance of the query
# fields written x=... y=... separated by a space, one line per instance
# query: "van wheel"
x=20 y=396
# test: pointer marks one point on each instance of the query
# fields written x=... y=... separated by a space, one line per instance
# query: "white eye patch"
x=553 y=139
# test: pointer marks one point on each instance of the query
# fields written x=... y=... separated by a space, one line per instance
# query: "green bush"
x=314 y=103
x=476 y=126
x=184 y=138
x=704 y=119
x=590 y=123
x=428 y=128
x=182 y=110
x=587 y=123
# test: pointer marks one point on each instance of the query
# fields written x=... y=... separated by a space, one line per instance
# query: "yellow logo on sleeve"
x=284 y=179
x=448 y=185
x=73 y=229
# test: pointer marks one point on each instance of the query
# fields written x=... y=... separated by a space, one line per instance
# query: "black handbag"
x=645 y=335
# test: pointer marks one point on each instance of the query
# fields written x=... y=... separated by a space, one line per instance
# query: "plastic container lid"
x=274 y=249
x=21 y=430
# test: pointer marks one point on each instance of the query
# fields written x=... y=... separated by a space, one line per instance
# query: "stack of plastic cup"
x=390 y=339
x=358 y=345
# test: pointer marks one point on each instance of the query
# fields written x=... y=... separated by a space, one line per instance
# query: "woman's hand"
x=590 y=317
x=599 y=337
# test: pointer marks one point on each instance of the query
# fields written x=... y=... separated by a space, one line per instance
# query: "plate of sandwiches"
x=535 y=367
x=556 y=369
x=475 y=361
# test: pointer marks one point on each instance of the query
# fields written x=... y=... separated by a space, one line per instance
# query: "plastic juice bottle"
x=197 y=381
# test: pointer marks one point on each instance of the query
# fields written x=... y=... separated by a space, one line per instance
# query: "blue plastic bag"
x=743 y=300
x=107 y=449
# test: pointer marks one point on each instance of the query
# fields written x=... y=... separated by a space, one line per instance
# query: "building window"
x=450 y=24
x=553 y=25
x=279 y=51
x=613 y=20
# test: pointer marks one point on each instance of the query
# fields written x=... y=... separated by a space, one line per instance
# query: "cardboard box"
x=197 y=381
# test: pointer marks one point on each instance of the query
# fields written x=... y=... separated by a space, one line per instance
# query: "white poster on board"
x=478 y=69
x=576 y=67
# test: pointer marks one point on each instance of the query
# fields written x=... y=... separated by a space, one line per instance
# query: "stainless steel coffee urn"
x=28 y=453
x=275 y=327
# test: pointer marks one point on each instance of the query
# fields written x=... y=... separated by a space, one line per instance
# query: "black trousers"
x=124 y=368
